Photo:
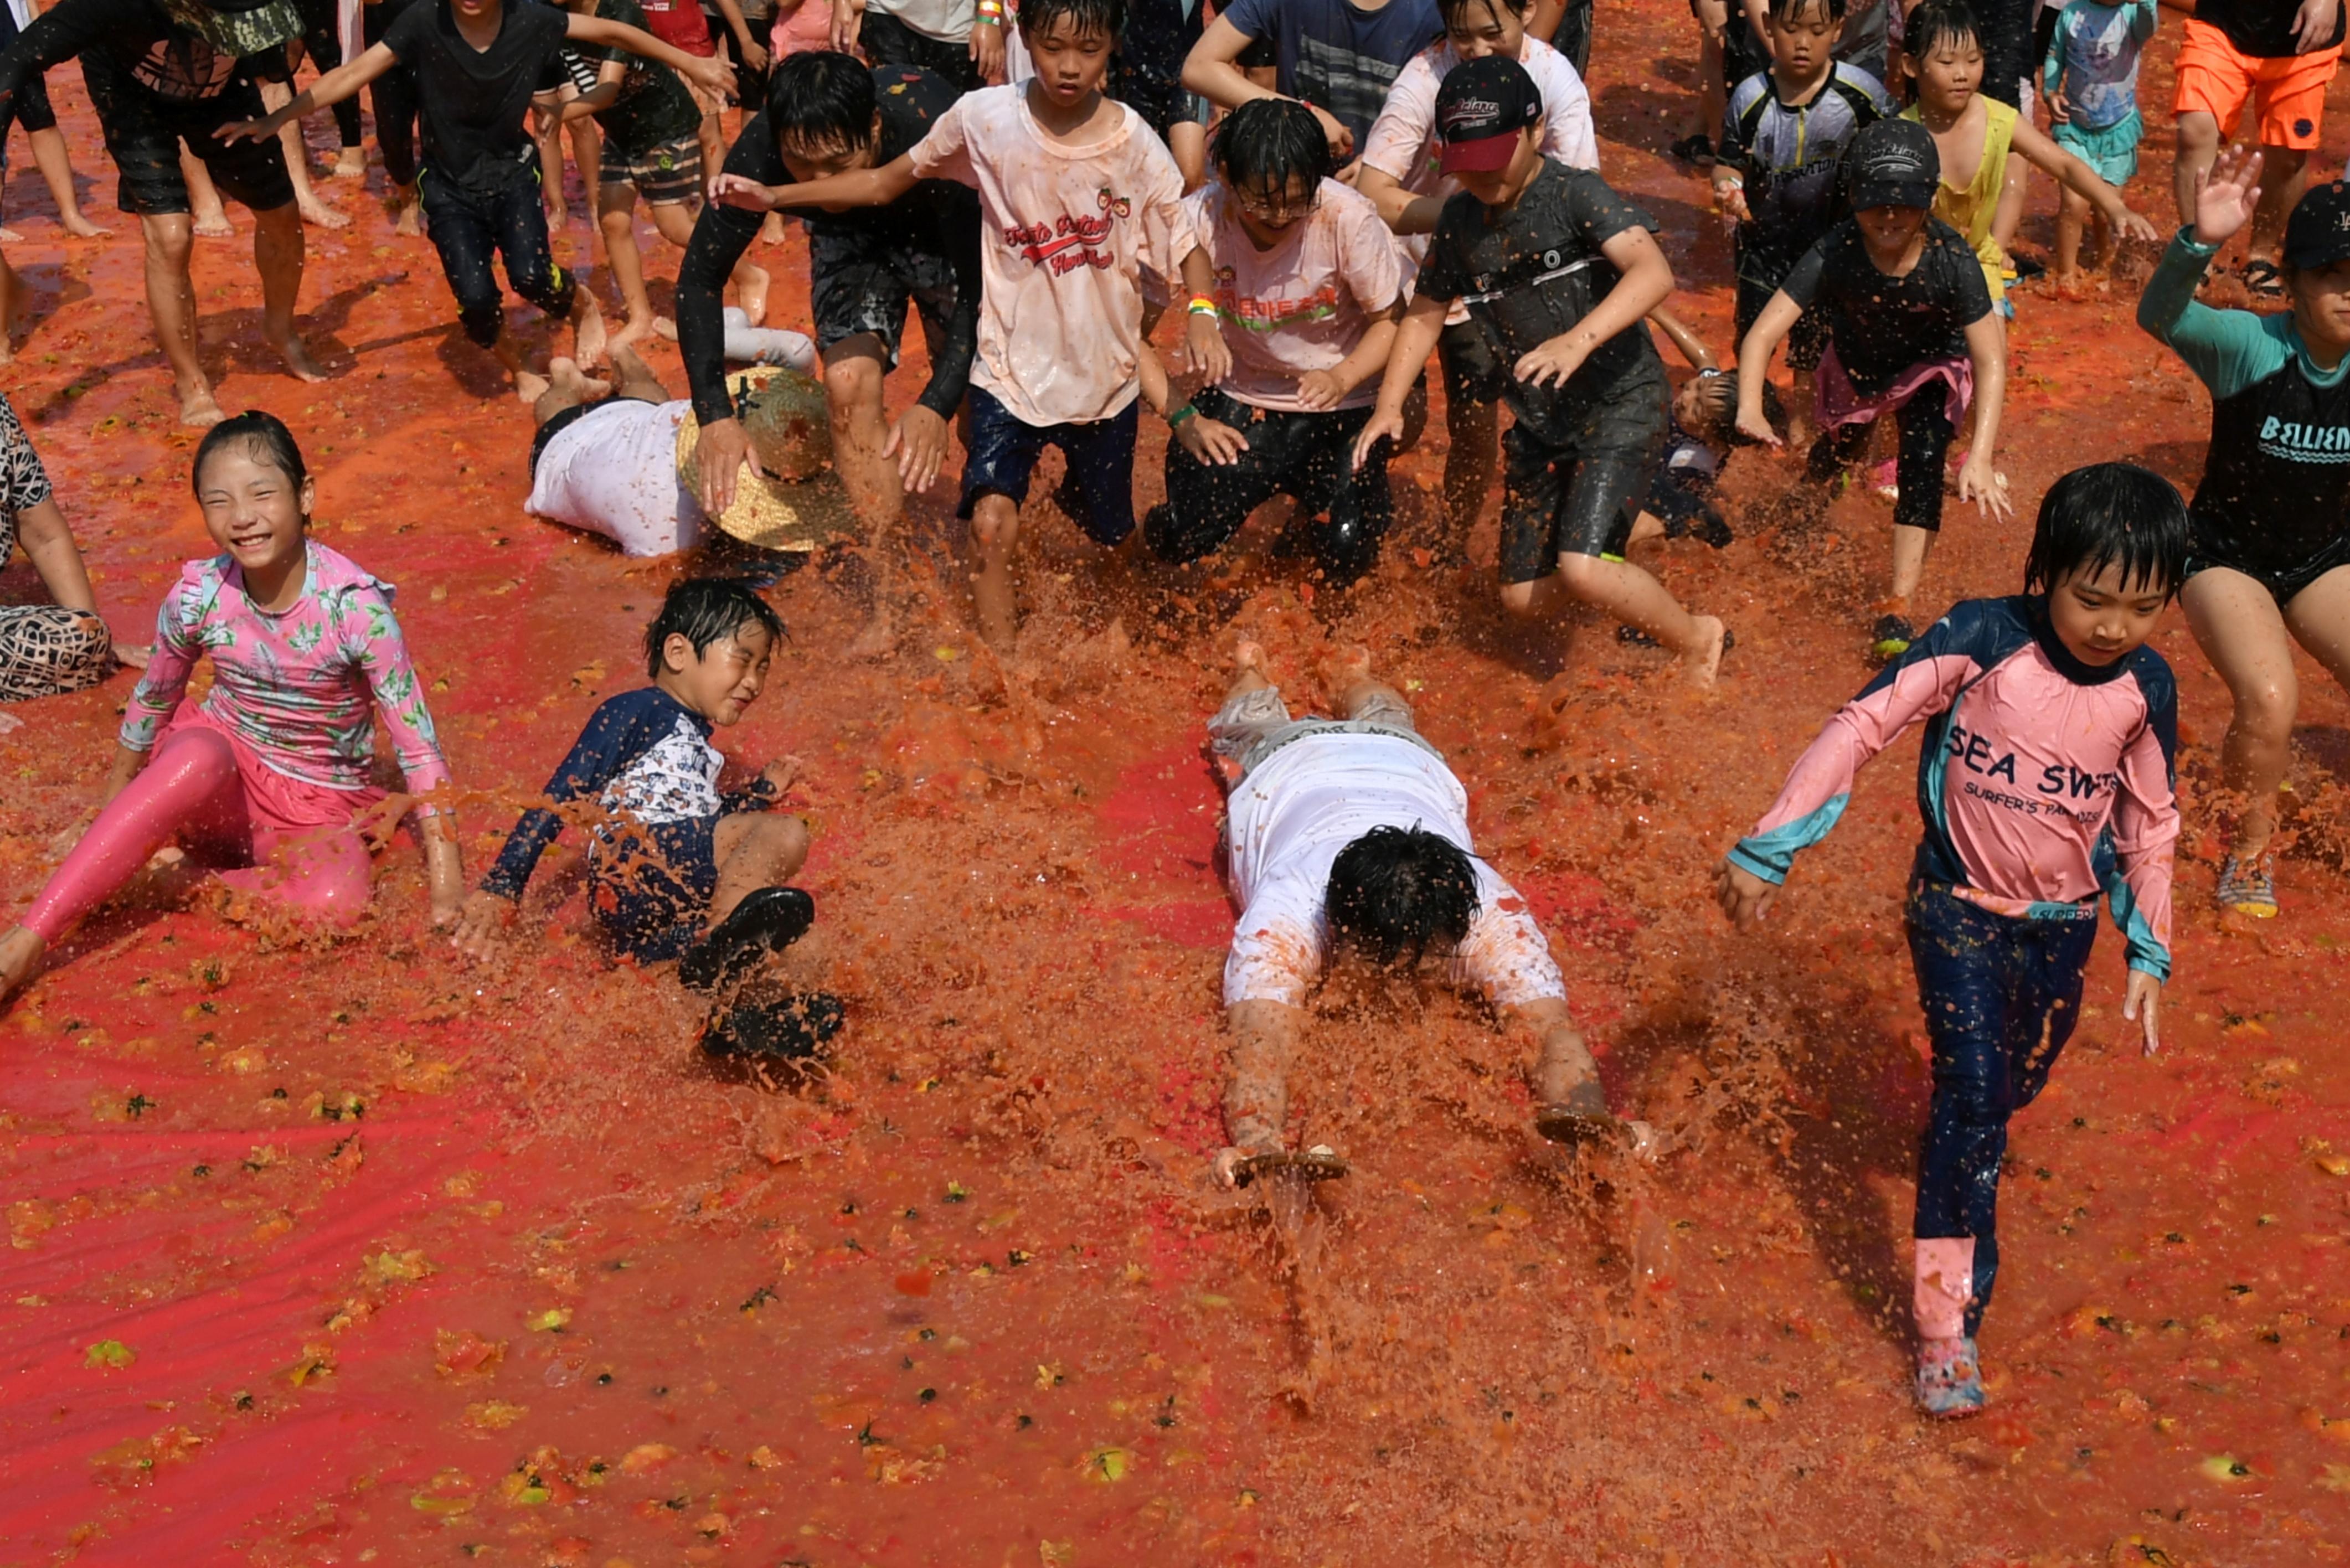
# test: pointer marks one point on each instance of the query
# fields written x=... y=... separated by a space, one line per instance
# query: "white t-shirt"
x=1302 y=305
x=1291 y=816
x=1403 y=143
x=613 y=470
x=1066 y=233
x=947 y=21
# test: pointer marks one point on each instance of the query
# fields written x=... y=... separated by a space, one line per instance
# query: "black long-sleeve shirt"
x=162 y=56
x=937 y=217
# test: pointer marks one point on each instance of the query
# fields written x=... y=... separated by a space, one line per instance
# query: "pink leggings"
x=192 y=791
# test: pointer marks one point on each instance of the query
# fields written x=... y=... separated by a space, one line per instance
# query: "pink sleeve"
x=1567 y=121
x=944 y=153
x=1367 y=258
x=2145 y=829
x=157 y=696
x=1401 y=134
x=372 y=637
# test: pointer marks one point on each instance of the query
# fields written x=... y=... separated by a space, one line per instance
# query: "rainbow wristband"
x=992 y=12
x=1202 y=306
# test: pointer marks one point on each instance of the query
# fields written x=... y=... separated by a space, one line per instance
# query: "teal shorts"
x=2111 y=154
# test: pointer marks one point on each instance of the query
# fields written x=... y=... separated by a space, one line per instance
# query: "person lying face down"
x=1351 y=835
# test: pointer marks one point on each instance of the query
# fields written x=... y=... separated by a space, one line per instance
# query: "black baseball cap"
x=1893 y=163
x=2318 y=232
x=1479 y=111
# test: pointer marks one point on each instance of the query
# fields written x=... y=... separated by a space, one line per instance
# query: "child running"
x=1783 y=142
x=652 y=150
x=2045 y=777
x=829 y=113
x=677 y=868
x=1308 y=281
x=269 y=775
x=1942 y=50
x=2091 y=80
x=2270 y=561
x=1078 y=197
x=1401 y=174
x=1911 y=333
x=1557 y=271
x=478 y=63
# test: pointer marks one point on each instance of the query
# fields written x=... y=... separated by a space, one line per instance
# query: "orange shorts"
x=2289 y=93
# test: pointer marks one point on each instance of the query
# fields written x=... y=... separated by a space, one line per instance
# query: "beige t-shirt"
x=1304 y=304
x=1067 y=231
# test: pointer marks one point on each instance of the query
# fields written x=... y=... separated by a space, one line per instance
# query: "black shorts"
x=1097 y=486
x=1805 y=340
x=1472 y=373
x=2209 y=548
x=1579 y=497
x=649 y=888
x=143 y=130
x=887 y=41
x=557 y=424
x=860 y=283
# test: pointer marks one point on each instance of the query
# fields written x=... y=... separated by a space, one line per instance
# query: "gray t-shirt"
x=1336 y=56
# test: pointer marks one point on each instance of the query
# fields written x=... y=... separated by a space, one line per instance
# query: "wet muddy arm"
x=1256 y=1099
x=951 y=360
x=1562 y=1058
x=2227 y=350
x=721 y=235
x=596 y=758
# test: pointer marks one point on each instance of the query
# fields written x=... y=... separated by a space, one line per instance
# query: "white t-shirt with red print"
x=1305 y=303
x=1289 y=817
x=1068 y=229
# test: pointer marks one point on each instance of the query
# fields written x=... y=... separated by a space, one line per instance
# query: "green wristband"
x=1180 y=415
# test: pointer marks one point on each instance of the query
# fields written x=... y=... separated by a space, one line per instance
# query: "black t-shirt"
x=909 y=100
x=2262 y=29
x=1883 y=326
x=475 y=103
x=653 y=107
x=1530 y=274
x=148 y=43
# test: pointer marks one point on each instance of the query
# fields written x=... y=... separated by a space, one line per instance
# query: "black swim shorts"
x=143 y=130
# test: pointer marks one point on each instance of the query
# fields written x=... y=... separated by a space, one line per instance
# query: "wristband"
x=1201 y=304
x=1186 y=411
x=992 y=12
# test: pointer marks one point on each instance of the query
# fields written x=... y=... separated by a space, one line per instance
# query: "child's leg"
x=2070 y=214
x=320 y=871
x=755 y=850
x=615 y=214
x=1356 y=503
x=1926 y=434
x=1470 y=430
x=1208 y=503
x=209 y=218
x=528 y=253
x=1003 y=452
x=11 y=295
x=854 y=369
x=191 y=785
x=50 y=155
x=276 y=96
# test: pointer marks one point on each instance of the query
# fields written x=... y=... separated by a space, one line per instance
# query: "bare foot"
x=588 y=343
x=351 y=165
x=214 y=225
x=529 y=386
x=1703 y=663
x=198 y=407
x=772 y=231
x=751 y=292
x=664 y=327
x=1344 y=668
x=81 y=228
x=1250 y=655
x=298 y=363
x=318 y=214
x=566 y=376
x=20 y=959
x=133 y=655
x=407 y=215
x=633 y=330
x=557 y=214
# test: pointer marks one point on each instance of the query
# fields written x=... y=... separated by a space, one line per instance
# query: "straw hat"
x=805 y=504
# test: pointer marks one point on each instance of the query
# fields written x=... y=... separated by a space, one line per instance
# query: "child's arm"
x=2227 y=350
x=1203 y=329
x=708 y=72
x=1415 y=340
x=1677 y=331
x=1754 y=352
x=919 y=439
x=1921 y=681
x=857 y=187
x=2051 y=76
x=2144 y=16
x=753 y=55
x=157 y=696
x=599 y=98
x=380 y=651
x=1322 y=389
x=2080 y=179
x=1980 y=479
x=2146 y=834
x=1212 y=70
x=596 y=758
x=329 y=89
x=1644 y=281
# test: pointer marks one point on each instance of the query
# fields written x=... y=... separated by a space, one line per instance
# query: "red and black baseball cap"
x=1479 y=111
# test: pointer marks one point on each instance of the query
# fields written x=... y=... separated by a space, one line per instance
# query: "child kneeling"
x=676 y=867
x=2046 y=777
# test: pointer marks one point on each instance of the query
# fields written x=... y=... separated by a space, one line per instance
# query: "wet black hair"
x=1936 y=23
x=1104 y=16
x=1719 y=394
x=1268 y=143
x=1449 y=10
x=703 y=609
x=821 y=99
x=264 y=437
x=1788 y=10
x=1395 y=892
x=2105 y=513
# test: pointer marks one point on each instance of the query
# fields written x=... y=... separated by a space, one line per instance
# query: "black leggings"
x=325 y=47
x=393 y=96
x=1926 y=436
x=468 y=225
x=1309 y=456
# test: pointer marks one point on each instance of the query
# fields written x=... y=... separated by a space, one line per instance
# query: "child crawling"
x=676 y=867
x=268 y=776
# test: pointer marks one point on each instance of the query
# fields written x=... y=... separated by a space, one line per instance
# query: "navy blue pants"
x=470 y=226
x=2002 y=996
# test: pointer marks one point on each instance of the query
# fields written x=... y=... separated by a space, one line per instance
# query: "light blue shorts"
x=2112 y=152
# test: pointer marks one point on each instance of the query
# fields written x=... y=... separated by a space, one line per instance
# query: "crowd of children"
x=1339 y=191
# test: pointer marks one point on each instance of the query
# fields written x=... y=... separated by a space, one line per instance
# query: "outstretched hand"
x=482 y=925
x=1745 y=897
x=741 y=191
x=2225 y=194
x=1383 y=425
x=1984 y=485
x=238 y=131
